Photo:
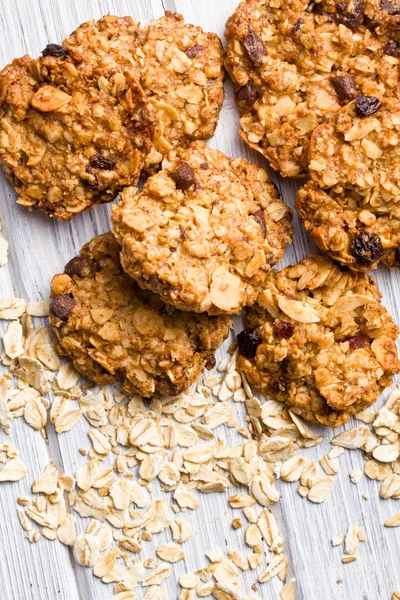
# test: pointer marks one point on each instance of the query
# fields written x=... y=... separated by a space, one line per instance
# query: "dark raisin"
x=297 y=25
x=204 y=166
x=397 y=256
x=61 y=306
x=357 y=341
x=193 y=51
x=345 y=87
x=254 y=47
x=248 y=93
x=367 y=105
x=281 y=384
x=259 y=217
x=211 y=361
x=184 y=235
x=172 y=250
x=284 y=329
x=81 y=267
x=350 y=13
x=248 y=341
x=392 y=48
x=366 y=248
x=100 y=162
x=55 y=50
x=392 y=8
x=183 y=175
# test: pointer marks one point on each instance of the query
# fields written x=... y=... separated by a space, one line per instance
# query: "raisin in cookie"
x=320 y=341
x=113 y=331
x=65 y=145
x=179 y=66
x=204 y=232
x=296 y=63
x=351 y=206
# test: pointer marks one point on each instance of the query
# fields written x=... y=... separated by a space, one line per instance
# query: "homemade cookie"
x=295 y=63
x=320 y=341
x=64 y=144
x=204 y=232
x=351 y=206
x=113 y=331
x=179 y=66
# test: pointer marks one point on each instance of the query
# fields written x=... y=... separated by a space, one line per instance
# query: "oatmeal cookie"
x=351 y=206
x=179 y=66
x=67 y=146
x=320 y=341
x=204 y=232
x=113 y=331
x=295 y=63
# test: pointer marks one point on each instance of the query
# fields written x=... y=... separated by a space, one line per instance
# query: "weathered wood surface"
x=39 y=247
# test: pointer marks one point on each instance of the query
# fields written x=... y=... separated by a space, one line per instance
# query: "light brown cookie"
x=351 y=206
x=320 y=341
x=179 y=66
x=65 y=144
x=295 y=63
x=113 y=331
x=204 y=232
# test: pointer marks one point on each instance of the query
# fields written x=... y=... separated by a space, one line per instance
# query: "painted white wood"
x=39 y=247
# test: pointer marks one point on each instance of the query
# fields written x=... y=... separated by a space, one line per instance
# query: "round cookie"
x=65 y=145
x=113 y=331
x=294 y=64
x=320 y=341
x=204 y=232
x=351 y=206
x=179 y=66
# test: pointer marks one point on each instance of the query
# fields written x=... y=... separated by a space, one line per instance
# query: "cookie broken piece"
x=65 y=145
x=204 y=231
x=294 y=64
x=179 y=66
x=323 y=344
x=113 y=331
x=351 y=206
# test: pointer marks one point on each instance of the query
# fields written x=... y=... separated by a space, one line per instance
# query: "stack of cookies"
x=149 y=303
x=317 y=85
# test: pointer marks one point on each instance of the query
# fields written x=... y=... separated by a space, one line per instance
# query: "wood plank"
x=39 y=247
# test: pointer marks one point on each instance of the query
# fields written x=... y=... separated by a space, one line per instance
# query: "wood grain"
x=39 y=247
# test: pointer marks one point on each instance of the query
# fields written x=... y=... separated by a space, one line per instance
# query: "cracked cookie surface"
x=351 y=206
x=66 y=145
x=204 y=231
x=113 y=331
x=294 y=64
x=179 y=66
x=320 y=340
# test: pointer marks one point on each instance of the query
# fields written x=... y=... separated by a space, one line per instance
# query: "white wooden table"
x=39 y=247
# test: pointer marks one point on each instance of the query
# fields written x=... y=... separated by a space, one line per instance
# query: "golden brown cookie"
x=179 y=66
x=351 y=206
x=65 y=144
x=295 y=63
x=113 y=331
x=320 y=340
x=204 y=231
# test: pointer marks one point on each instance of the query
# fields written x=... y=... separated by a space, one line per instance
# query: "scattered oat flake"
x=393 y=521
x=337 y=540
x=275 y=566
x=355 y=476
x=3 y=251
x=351 y=540
x=288 y=591
x=38 y=309
x=12 y=308
x=13 y=470
x=320 y=491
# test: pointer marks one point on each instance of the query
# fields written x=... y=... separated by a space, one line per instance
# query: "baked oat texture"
x=294 y=63
x=325 y=344
x=65 y=145
x=204 y=232
x=179 y=66
x=113 y=331
x=351 y=206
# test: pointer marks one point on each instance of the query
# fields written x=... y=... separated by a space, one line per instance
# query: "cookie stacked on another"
x=204 y=232
x=294 y=64
x=80 y=123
